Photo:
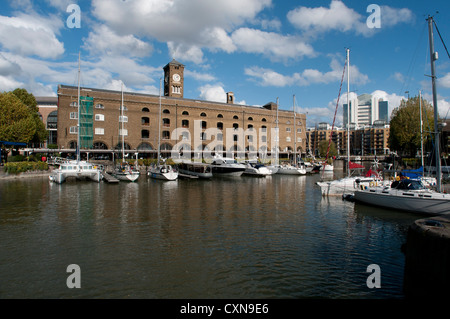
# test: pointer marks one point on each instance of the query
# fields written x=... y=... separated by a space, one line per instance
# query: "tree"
x=404 y=132
x=323 y=146
x=18 y=122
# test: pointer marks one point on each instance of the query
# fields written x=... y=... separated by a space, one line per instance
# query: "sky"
x=261 y=50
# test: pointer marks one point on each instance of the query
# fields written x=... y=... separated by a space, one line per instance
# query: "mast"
x=421 y=130
x=433 y=58
x=295 y=135
x=276 y=138
x=348 y=112
x=159 y=126
x=123 y=135
x=79 y=108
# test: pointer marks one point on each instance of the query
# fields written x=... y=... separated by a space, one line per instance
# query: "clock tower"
x=174 y=79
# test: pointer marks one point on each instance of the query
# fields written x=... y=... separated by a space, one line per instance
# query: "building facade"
x=187 y=127
x=48 y=112
x=366 y=110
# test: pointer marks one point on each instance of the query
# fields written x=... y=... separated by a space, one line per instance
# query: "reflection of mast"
x=123 y=133
x=421 y=130
x=276 y=138
x=433 y=58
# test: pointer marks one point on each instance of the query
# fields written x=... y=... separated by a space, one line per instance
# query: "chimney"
x=230 y=98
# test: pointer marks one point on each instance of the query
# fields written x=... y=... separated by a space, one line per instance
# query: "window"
x=264 y=129
x=250 y=118
x=288 y=129
x=299 y=130
x=185 y=113
x=288 y=139
x=264 y=120
x=203 y=114
x=250 y=138
x=166 y=135
x=74 y=115
x=220 y=126
x=185 y=136
x=220 y=116
x=99 y=117
x=204 y=125
x=250 y=127
x=185 y=123
x=166 y=122
x=99 y=106
x=99 y=131
x=73 y=104
x=124 y=108
x=235 y=117
x=235 y=137
x=123 y=132
x=145 y=109
x=145 y=121
x=145 y=134
x=220 y=137
x=203 y=136
x=73 y=130
x=166 y=111
x=123 y=119
x=299 y=139
x=288 y=122
x=235 y=126
x=176 y=89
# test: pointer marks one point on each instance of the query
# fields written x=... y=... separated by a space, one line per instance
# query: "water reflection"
x=274 y=237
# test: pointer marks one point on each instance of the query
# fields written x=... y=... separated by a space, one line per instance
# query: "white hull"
x=80 y=171
x=291 y=170
x=327 y=168
x=258 y=172
x=163 y=173
x=420 y=201
x=273 y=168
x=346 y=185
x=127 y=177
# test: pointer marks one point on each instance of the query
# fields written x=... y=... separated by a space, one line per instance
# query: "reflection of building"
x=184 y=122
x=366 y=109
x=364 y=140
x=48 y=111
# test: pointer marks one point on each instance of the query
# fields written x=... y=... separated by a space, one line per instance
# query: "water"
x=224 y=238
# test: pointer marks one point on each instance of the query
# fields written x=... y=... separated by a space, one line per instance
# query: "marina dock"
x=109 y=178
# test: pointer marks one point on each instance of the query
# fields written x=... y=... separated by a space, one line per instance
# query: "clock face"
x=176 y=77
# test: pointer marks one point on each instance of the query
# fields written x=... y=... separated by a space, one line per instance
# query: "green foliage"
x=20 y=122
x=21 y=167
x=323 y=146
x=404 y=135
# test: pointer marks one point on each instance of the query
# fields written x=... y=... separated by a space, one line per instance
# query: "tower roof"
x=174 y=62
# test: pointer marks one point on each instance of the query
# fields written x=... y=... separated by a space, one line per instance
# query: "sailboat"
x=125 y=172
x=288 y=169
x=162 y=171
x=412 y=195
x=350 y=183
x=80 y=170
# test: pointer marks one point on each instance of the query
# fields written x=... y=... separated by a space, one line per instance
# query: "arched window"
x=203 y=114
x=166 y=111
x=220 y=116
x=264 y=120
x=235 y=117
x=235 y=126
x=145 y=147
x=185 y=113
x=100 y=146
x=250 y=118
x=52 y=120
x=99 y=106
x=145 y=109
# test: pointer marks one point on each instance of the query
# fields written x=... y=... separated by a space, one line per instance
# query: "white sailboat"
x=125 y=172
x=80 y=170
x=412 y=195
x=349 y=183
x=163 y=172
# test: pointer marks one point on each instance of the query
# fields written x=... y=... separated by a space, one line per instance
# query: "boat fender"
x=372 y=184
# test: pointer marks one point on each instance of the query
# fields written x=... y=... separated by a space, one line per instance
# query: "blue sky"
x=259 y=49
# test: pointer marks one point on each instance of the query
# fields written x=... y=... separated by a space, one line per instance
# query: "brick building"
x=187 y=126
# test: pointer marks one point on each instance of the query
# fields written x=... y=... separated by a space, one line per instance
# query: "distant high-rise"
x=368 y=109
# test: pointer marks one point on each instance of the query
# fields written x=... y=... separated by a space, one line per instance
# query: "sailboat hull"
x=418 y=202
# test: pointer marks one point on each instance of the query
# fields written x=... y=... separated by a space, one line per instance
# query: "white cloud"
x=9 y=84
x=271 y=44
x=185 y=52
x=31 y=35
x=344 y=19
x=268 y=77
x=105 y=41
x=215 y=93
x=199 y=76
x=444 y=81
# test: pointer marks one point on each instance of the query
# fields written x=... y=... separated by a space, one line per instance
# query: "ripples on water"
x=225 y=238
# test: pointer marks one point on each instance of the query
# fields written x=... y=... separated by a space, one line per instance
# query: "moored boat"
x=224 y=166
x=81 y=170
x=200 y=170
